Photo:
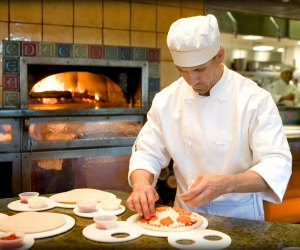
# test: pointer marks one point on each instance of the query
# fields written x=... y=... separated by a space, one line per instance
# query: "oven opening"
x=72 y=86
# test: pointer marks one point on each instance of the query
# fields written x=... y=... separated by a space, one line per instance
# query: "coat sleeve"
x=149 y=151
x=272 y=158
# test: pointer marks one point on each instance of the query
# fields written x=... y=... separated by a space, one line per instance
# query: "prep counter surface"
x=245 y=234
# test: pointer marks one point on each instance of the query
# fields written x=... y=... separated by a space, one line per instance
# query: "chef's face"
x=203 y=77
x=287 y=76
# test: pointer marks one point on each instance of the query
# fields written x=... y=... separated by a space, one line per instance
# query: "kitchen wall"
x=236 y=47
x=136 y=23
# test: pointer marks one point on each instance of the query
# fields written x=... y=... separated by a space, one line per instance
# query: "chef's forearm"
x=141 y=176
x=247 y=182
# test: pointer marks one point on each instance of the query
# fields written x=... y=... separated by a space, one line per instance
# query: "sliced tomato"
x=186 y=220
x=185 y=212
x=12 y=236
x=182 y=211
x=153 y=218
x=178 y=209
x=161 y=209
x=166 y=221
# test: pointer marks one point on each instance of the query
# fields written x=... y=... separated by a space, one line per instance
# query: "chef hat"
x=193 y=41
x=288 y=68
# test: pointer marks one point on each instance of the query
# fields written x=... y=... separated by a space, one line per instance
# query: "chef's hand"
x=288 y=97
x=143 y=196
x=204 y=189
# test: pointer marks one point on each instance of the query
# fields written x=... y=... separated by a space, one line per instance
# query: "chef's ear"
x=220 y=55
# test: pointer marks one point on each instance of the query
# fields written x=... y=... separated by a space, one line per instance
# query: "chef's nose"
x=191 y=78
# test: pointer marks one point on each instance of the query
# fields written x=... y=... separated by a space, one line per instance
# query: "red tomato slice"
x=153 y=218
x=161 y=209
x=186 y=220
x=166 y=221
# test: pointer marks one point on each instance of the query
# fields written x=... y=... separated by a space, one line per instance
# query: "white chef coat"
x=236 y=129
x=279 y=88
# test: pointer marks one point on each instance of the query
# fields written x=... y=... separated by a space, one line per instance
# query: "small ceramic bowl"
x=105 y=221
x=111 y=203
x=86 y=206
x=26 y=195
x=11 y=240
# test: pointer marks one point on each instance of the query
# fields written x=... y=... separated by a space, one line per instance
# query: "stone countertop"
x=245 y=234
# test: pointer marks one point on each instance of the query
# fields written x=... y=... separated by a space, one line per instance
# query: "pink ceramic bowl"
x=26 y=195
x=105 y=221
x=11 y=240
x=86 y=206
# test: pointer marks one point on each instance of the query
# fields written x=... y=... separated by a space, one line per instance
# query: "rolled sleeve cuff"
x=277 y=177
x=145 y=164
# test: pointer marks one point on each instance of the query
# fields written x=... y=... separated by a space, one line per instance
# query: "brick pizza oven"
x=78 y=131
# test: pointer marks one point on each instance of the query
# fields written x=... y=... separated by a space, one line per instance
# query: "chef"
x=283 y=90
x=223 y=132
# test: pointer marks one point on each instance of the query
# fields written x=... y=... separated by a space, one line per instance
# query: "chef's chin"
x=202 y=92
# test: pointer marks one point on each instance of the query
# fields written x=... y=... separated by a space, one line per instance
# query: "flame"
x=85 y=87
x=51 y=83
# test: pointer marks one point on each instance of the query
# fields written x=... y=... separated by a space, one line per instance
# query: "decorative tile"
x=153 y=55
x=140 y=54
x=125 y=53
x=96 y=51
x=111 y=52
x=154 y=70
x=11 y=48
x=151 y=96
x=29 y=48
x=11 y=82
x=64 y=50
x=154 y=84
x=11 y=99
x=80 y=51
x=11 y=66
x=47 y=49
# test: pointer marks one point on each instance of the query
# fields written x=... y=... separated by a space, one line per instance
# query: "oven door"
x=10 y=178
x=56 y=133
x=9 y=135
x=58 y=171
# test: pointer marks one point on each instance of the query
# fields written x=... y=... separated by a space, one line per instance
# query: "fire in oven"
x=82 y=83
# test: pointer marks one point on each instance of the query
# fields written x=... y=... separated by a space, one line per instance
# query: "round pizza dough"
x=75 y=195
x=32 y=222
x=171 y=214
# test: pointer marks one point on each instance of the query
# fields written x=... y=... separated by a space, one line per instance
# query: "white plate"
x=100 y=211
x=132 y=219
x=23 y=207
x=3 y=216
x=198 y=240
x=70 y=222
x=123 y=227
x=27 y=243
x=63 y=205
x=73 y=205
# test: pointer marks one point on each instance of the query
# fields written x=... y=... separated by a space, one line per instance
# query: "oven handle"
x=31 y=140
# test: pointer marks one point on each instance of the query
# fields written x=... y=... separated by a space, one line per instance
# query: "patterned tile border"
x=12 y=50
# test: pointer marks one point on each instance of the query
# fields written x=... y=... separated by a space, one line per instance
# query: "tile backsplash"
x=14 y=50
x=92 y=25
